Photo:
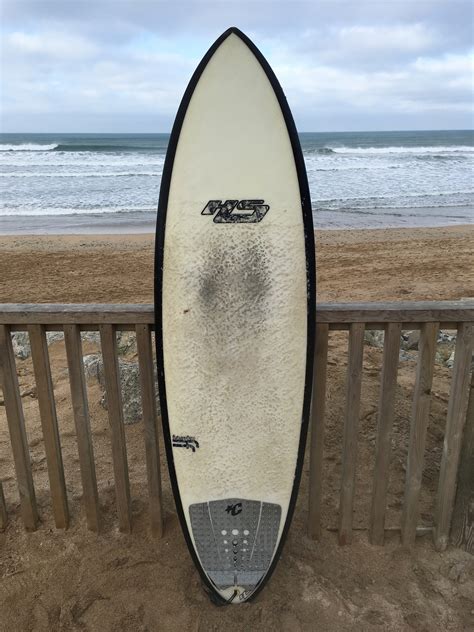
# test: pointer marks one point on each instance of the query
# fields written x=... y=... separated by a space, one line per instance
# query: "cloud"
x=344 y=64
x=53 y=45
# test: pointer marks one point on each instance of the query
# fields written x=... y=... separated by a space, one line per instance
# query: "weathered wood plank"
x=3 y=510
x=406 y=312
x=351 y=428
x=331 y=313
x=384 y=432
x=72 y=338
x=76 y=313
x=114 y=407
x=16 y=427
x=318 y=406
x=49 y=424
x=152 y=448
x=130 y=326
x=453 y=436
x=462 y=531
x=418 y=427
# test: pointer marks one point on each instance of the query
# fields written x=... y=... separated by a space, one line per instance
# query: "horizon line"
x=361 y=131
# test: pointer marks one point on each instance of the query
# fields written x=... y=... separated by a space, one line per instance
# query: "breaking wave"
x=28 y=147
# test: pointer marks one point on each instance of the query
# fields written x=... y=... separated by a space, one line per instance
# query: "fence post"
x=418 y=427
x=152 y=449
x=351 y=428
x=453 y=436
x=318 y=406
x=49 y=424
x=77 y=383
x=16 y=426
x=115 y=411
x=391 y=349
x=462 y=531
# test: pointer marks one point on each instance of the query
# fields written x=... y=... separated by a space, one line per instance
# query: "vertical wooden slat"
x=418 y=427
x=384 y=431
x=16 y=426
x=49 y=424
x=3 y=510
x=453 y=435
x=152 y=449
x=317 y=431
x=72 y=338
x=114 y=407
x=462 y=530
x=351 y=427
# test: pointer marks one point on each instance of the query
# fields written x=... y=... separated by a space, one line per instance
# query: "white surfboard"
x=235 y=311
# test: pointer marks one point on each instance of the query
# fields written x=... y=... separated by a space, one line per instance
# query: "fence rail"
x=428 y=317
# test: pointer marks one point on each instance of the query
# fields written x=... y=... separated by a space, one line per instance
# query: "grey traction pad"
x=235 y=539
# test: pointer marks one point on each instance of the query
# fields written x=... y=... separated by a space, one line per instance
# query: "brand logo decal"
x=185 y=442
x=236 y=211
x=234 y=510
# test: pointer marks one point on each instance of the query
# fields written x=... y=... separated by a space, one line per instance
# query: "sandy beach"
x=353 y=265
x=76 y=580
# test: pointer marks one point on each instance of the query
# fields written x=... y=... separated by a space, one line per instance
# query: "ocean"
x=103 y=183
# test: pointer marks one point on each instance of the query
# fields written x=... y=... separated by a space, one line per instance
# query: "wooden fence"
x=457 y=466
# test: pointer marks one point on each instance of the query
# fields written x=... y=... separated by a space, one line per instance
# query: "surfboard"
x=235 y=314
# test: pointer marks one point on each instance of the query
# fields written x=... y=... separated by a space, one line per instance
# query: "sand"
x=357 y=265
x=76 y=580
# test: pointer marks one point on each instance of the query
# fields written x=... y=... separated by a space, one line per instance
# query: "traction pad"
x=235 y=539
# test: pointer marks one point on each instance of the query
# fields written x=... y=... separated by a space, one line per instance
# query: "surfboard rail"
x=451 y=516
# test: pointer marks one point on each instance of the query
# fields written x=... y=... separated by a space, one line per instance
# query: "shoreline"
x=134 y=231
x=317 y=231
x=137 y=223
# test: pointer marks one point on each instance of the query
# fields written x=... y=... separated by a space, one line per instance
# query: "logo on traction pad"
x=234 y=510
x=185 y=442
x=236 y=211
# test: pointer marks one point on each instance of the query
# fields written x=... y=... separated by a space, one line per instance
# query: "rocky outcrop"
x=21 y=345
x=126 y=342
x=91 y=365
x=374 y=337
x=409 y=341
x=129 y=382
x=130 y=386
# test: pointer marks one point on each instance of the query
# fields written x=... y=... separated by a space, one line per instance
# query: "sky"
x=345 y=65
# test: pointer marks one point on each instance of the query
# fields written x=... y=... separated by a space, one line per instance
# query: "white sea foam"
x=61 y=211
x=27 y=147
x=456 y=149
x=355 y=180
x=79 y=174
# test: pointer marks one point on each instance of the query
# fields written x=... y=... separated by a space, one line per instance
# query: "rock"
x=21 y=345
x=54 y=336
x=404 y=356
x=450 y=361
x=130 y=386
x=374 y=337
x=126 y=342
x=443 y=336
x=91 y=365
x=409 y=340
x=90 y=336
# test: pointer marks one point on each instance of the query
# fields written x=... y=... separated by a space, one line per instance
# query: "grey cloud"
x=111 y=18
x=346 y=65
